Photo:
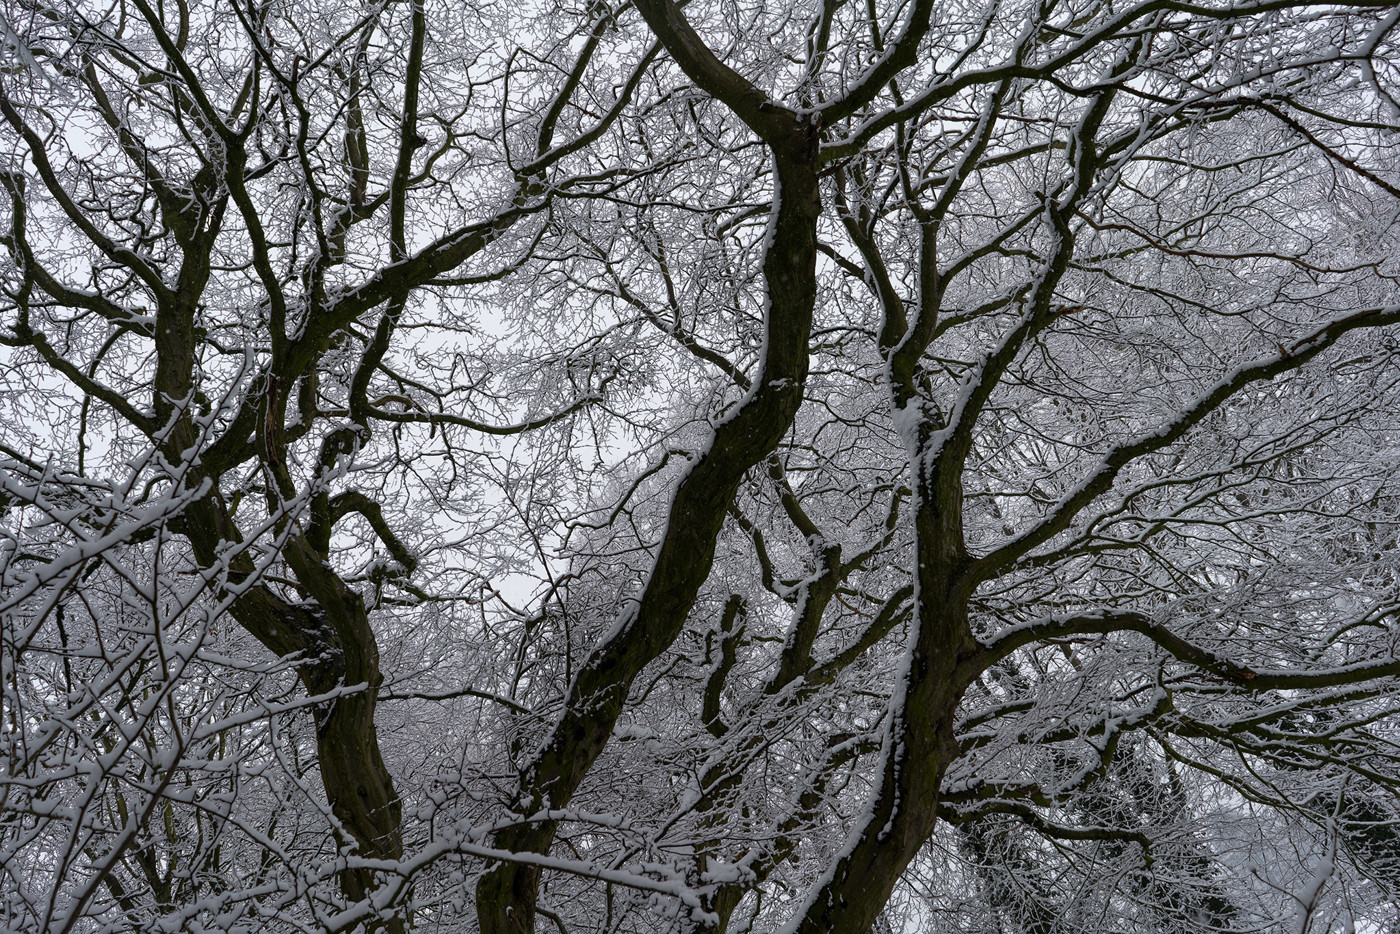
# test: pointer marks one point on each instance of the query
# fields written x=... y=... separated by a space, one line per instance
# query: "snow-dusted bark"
x=699 y=466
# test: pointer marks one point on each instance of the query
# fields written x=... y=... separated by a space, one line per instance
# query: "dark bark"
x=506 y=895
x=920 y=742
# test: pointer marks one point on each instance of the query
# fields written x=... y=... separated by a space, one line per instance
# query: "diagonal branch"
x=1101 y=479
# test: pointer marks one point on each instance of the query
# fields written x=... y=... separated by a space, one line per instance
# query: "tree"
x=701 y=466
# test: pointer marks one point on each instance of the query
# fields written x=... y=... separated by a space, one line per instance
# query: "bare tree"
x=704 y=466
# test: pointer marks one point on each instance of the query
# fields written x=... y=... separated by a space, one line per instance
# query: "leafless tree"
x=703 y=466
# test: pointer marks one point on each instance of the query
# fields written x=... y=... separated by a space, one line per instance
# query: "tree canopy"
x=712 y=466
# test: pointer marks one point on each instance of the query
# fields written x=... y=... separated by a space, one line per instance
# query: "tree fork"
x=506 y=895
x=339 y=651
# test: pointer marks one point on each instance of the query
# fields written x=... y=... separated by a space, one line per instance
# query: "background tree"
x=710 y=466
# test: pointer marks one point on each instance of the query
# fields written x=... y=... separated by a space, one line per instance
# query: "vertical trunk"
x=358 y=786
x=357 y=783
x=905 y=807
x=921 y=742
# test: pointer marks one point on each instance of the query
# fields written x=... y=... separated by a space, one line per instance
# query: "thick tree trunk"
x=921 y=741
x=905 y=808
x=357 y=783
x=506 y=895
x=340 y=650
